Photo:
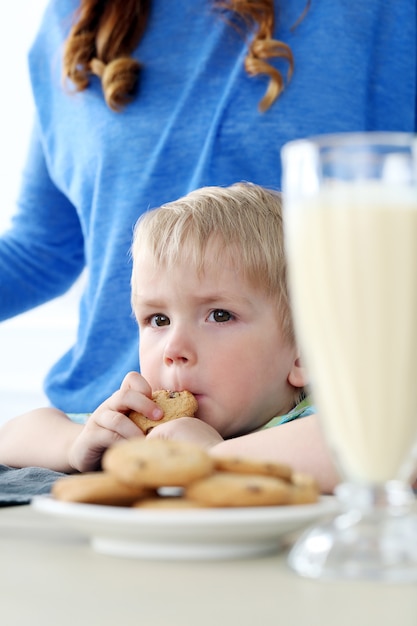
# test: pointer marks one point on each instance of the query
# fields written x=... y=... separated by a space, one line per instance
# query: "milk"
x=352 y=253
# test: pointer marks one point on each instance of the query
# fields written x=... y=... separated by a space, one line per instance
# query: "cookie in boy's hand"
x=173 y=403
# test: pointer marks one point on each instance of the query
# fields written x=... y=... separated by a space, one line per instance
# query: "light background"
x=32 y=342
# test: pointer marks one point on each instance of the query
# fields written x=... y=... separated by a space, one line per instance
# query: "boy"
x=210 y=297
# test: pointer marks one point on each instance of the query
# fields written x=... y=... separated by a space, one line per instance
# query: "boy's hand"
x=187 y=429
x=109 y=423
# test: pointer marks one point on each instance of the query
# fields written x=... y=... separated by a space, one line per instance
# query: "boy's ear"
x=298 y=375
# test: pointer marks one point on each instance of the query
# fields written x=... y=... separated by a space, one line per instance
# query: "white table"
x=51 y=577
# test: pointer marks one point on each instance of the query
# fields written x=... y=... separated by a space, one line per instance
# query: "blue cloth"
x=91 y=172
x=18 y=486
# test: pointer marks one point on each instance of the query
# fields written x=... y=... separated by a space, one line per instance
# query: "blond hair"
x=243 y=222
x=106 y=32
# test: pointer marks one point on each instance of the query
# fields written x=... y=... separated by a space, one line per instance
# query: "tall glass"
x=350 y=215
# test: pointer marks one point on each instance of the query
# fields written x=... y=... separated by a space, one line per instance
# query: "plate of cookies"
x=164 y=499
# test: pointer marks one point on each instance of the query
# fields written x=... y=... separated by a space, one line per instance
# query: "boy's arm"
x=299 y=443
x=39 y=438
x=48 y=438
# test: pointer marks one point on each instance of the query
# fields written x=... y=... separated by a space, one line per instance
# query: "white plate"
x=184 y=534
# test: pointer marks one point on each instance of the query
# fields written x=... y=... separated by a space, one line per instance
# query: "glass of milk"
x=350 y=215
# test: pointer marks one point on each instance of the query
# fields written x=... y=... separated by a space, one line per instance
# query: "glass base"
x=375 y=538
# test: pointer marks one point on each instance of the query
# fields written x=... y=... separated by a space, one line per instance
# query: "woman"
x=137 y=103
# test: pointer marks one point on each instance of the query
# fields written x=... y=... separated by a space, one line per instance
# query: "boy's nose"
x=171 y=359
x=179 y=350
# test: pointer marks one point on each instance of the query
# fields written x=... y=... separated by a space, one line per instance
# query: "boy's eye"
x=220 y=315
x=159 y=320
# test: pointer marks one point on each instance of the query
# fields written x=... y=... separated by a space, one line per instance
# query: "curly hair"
x=106 y=32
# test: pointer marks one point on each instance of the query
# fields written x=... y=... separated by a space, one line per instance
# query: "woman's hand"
x=109 y=423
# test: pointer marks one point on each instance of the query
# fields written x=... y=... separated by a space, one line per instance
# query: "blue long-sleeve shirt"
x=91 y=172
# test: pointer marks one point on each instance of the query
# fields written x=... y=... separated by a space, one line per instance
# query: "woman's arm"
x=42 y=253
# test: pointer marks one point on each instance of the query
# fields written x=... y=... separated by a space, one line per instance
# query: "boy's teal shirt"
x=195 y=121
x=302 y=409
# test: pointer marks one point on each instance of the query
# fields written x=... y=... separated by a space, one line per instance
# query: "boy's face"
x=218 y=337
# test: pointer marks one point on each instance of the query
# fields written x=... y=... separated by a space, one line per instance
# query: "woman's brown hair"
x=106 y=32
